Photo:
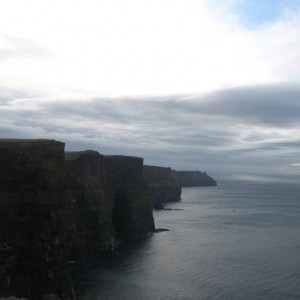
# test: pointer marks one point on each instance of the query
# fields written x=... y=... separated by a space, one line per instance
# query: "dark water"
x=239 y=240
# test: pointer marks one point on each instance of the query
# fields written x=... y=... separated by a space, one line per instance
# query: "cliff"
x=162 y=185
x=92 y=203
x=55 y=206
x=132 y=211
x=193 y=178
x=110 y=201
x=35 y=220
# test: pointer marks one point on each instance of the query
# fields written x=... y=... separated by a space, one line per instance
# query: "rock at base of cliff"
x=157 y=230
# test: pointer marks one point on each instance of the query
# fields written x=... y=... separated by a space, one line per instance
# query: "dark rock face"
x=132 y=211
x=162 y=185
x=92 y=203
x=193 y=178
x=109 y=199
x=35 y=220
x=54 y=206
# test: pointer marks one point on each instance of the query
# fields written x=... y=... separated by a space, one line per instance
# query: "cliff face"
x=193 y=178
x=162 y=185
x=92 y=203
x=109 y=199
x=54 y=206
x=35 y=220
x=132 y=211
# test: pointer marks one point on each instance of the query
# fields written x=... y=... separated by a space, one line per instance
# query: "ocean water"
x=239 y=240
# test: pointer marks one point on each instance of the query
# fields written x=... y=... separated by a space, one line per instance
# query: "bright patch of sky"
x=258 y=12
x=254 y=13
x=143 y=47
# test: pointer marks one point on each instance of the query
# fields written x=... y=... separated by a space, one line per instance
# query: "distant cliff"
x=162 y=185
x=193 y=178
x=36 y=223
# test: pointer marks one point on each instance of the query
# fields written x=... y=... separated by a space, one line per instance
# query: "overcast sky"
x=191 y=84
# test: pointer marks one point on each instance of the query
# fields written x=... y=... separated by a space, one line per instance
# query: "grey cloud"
x=233 y=127
x=8 y=95
x=282 y=145
x=276 y=105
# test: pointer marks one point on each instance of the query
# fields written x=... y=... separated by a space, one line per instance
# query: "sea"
x=238 y=240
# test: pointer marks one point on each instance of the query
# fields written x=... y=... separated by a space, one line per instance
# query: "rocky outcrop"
x=35 y=220
x=162 y=185
x=193 y=178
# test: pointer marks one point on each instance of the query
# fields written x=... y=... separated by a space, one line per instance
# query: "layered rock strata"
x=162 y=185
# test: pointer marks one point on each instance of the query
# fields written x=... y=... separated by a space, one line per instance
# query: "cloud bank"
x=245 y=128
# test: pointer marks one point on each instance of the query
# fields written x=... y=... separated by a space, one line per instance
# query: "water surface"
x=239 y=240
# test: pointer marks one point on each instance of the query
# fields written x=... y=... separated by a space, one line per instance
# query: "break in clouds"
x=239 y=129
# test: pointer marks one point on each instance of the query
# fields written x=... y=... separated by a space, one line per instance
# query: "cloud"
x=254 y=13
x=251 y=127
x=142 y=47
x=275 y=105
x=188 y=84
x=12 y=47
x=295 y=165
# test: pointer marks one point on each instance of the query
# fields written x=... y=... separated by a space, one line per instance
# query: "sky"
x=211 y=85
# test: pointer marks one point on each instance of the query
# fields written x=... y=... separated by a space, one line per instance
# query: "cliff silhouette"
x=57 y=206
x=193 y=178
